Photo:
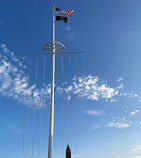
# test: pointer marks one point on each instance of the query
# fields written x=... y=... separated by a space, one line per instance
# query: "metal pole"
x=50 y=144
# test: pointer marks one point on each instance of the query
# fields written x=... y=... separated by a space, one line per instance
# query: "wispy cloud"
x=119 y=125
x=120 y=122
x=14 y=82
x=91 y=87
x=119 y=79
x=136 y=149
x=113 y=100
x=70 y=33
x=67 y=28
x=134 y=112
x=15 y=129
x=71 y=36
x=111 y=121
x=94 y=113
x=120 y=86
x=130 y=95
x=96 y=127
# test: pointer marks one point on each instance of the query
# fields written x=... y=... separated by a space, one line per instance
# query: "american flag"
x=60 y=11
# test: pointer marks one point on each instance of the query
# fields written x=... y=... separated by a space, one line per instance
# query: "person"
x=68 y=152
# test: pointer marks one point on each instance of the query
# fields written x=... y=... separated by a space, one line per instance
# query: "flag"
x=60 y=11
x=58 y=18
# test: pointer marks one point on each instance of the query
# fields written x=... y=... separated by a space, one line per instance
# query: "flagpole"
x=46 y=47
x=50 y=144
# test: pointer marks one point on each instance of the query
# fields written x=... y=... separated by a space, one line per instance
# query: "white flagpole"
x=50 y=144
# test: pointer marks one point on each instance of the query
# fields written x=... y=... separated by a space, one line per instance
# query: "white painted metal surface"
x=51 y=126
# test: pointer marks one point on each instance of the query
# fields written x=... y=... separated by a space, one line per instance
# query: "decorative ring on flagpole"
x=49 y=45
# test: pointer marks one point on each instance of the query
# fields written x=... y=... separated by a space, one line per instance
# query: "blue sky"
x=104 y=103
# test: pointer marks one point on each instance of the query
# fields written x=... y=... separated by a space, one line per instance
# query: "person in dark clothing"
x=68 y=152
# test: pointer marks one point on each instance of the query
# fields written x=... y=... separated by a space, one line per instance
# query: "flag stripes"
x=60 y=11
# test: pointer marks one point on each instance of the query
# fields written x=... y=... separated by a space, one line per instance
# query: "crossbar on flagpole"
x=52 y=52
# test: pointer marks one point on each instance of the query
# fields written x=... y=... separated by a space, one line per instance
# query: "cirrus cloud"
x=14 y=83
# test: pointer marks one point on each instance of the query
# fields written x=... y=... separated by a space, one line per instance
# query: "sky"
x=97 y=94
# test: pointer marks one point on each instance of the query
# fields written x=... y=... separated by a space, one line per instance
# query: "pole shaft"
x=50 y=145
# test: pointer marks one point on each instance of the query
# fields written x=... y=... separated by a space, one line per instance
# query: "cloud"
x=120 y=123
x=16 y=129
x=94 y=113
x=120 y=86
x=67 y=28
x=113 y=100
x=134 y=112
x=68 y=89
x=89 y=87
x=14 y=82
x=136 y=149
x=130 y=95
x=92 y=88
x=97 y=127
x=119 y=79
x=71 y=36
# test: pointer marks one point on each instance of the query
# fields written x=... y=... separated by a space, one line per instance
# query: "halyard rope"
x=27 y=122
x=23 y=137
x=41 y=110
x=68 y=105
x=62 y=151
x=34 y=109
